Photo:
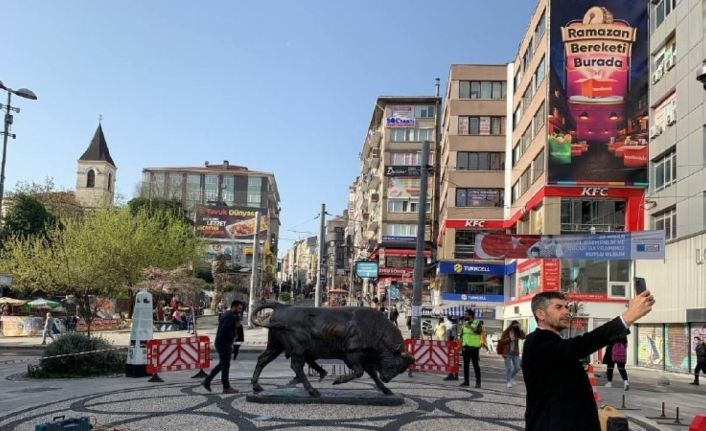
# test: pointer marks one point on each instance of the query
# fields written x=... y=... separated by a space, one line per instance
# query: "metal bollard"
x=676 y=420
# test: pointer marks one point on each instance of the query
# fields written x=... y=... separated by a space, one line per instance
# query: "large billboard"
x=230 y=222
x=597 y=104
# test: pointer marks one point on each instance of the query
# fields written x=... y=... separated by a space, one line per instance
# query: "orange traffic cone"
x=594 y=385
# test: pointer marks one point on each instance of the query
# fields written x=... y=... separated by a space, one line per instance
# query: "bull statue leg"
x=265 y=358
x=374 y=375
x=354 y=362
x=297 y=365
x=311 y=362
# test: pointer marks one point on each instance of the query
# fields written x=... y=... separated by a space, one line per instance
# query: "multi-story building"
x=676 y=200
x=337 y=268
x=388 y=187
x=472 y=187
x=223 y=200
x=577 y=153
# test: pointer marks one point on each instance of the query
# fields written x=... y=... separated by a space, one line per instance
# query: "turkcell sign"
x=366 y=269
x=395 y=122
x=471 y=297
x=472 y=268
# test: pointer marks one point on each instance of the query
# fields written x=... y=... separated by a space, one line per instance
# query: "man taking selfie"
x=559 y=395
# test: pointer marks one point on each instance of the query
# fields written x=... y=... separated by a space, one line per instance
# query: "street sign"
x=366 y=269
x=394 y=293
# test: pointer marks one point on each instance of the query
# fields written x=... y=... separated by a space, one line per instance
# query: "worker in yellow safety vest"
x=470 y=344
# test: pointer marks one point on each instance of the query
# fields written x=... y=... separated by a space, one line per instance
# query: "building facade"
x=386 y=193
x=676 y=195
x=472 y=188
x=577 y=154
x=222 y=200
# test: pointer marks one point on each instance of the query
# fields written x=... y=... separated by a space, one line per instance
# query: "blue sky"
x=280 y=86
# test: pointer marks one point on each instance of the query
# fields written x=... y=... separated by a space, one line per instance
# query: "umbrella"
x=12 y=301
x=44 y=303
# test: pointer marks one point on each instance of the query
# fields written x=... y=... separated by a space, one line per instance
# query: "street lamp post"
x=22 y=92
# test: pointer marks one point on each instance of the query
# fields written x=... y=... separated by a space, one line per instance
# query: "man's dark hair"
x=236 y=302
x=697 y=337
x=541 y=300
x=470 y=313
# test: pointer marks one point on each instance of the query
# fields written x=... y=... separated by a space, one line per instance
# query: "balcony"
x=375 y=197
x=374 y=182
x=374 y=160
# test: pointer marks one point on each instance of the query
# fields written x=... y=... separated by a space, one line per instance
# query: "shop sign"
x=396 y=272
x=474 y=224
x=471 y=268
x=387 y=238
x=403 y=171
x=471 y=297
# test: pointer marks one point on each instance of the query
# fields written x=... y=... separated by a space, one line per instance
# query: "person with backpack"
x=509 y=348
x=617 y=354
x=470 y=344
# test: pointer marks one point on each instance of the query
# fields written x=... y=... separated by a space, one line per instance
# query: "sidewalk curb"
x=643 y=420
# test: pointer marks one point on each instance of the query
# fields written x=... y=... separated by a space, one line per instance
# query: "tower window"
x=110 y=180
x=91 y=179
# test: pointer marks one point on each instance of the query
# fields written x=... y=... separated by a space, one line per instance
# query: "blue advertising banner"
x=366 y=269
x=604 y=246
x=471 y=297
x=472 y=268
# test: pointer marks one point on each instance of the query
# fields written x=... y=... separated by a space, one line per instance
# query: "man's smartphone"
x=640 y=285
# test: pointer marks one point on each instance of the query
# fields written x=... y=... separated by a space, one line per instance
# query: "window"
x=176 y=185
x=665 y=170
x=193 y=188
x=227 y=190
x=539 y=117
x=398 y=229
x=407 y=158
x=526 y=138
x=405 y=206
x=527 y=58
x=110 y=181
x=539 y=74
x=527 y=97
x=518 y=77
x=516 y=154
x=666 y=220
x=481 y=125
x=538 y=166
x=482 y=89
x=465 y=244
x=211 y=188
x=541 y=27
x=254 y=191
x=516 y=116
x=525 y=180
x=91 y=179
x=473 y=198
x=580 y=215
x=426 y=111
x=662 y=10
x=515 y=192
x=411 y=135
x=473 y=161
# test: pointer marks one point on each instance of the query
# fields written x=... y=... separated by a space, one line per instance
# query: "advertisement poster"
x=21 y=326
x=405 y=188
x=402 y=116
x=598 y=106
x=230 y=222
x=605 y=246
x=677 y=348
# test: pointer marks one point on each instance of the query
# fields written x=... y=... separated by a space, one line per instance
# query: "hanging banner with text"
x=604 y=246
x=230 y=222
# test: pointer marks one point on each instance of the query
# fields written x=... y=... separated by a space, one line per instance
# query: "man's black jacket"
x=226 y=330
x=559 y=395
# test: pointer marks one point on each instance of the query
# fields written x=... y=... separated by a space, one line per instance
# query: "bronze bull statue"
x=363 y=338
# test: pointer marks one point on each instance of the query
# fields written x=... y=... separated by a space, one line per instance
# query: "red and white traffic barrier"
x=178 y=354
x=434 y=355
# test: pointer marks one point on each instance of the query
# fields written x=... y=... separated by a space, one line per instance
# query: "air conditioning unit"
x=670 y=63
x=652 y=132
x=658 y=130
x=655 y=1
x=657 y=75
x=671 y=118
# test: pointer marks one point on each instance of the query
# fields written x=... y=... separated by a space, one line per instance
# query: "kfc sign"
x=594 y=191
x=479 y=224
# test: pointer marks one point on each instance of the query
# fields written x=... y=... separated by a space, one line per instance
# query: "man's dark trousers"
x=471 y=354
x=224 y=355
x=700 y=367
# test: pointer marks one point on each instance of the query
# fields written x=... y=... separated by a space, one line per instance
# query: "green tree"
x=61 y=203
x=27 y=217
x=155 y=206
x=103 y=254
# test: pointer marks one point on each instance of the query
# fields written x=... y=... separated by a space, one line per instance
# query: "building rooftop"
x=98 y=149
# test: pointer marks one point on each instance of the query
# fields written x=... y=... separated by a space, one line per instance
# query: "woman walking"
x=617 y=354
x=509 y=348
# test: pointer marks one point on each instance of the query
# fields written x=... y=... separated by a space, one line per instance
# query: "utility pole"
x=320 y=273
x=419 y=258
x=253 y=269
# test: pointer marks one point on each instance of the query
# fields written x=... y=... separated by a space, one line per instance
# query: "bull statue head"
x=395 y=363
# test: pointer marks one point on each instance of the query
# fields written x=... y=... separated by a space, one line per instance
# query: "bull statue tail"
x=274 y=306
